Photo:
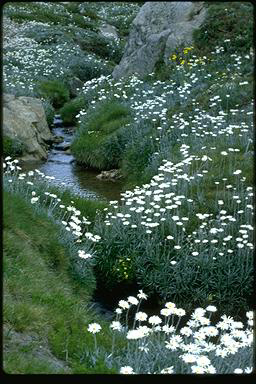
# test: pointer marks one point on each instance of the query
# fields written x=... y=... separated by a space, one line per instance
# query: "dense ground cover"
x=189 y=157
x=47 y=326
x=182 y=137
x=49 y=41
x=46 y=304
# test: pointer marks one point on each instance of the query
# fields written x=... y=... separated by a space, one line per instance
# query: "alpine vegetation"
x=161 y=345
x=181 y=234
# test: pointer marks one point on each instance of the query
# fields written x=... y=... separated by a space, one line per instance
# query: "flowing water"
x=61 y=164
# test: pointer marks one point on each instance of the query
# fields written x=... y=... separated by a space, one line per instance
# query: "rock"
x=113 y=174
x=108 y=30
x=24 y=119
x=156 y=31
x=57 y=139
x=34 y=346
x=75 y=86
x=62 y=146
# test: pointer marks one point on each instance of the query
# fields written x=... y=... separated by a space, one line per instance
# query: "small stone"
x=113 y=174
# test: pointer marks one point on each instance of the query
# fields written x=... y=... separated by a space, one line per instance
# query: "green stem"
x=95 y=343
x=113 y=343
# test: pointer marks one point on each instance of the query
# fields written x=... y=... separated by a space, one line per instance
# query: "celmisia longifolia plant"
x=186 y=232
x=159 y=344
x=154 y=341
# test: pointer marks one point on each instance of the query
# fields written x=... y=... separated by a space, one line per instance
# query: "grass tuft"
x=100 y=141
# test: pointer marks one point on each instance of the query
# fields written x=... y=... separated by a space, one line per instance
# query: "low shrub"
x=87 y=68
x=103 y=47
x=12 y=147
x=222 y=23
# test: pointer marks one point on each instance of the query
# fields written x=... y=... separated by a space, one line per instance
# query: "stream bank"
x=61 y=164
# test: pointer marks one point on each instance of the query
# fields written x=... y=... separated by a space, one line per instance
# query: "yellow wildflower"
x=187 y=49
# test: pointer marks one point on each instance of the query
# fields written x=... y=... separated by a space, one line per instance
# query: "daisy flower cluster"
x=167 y=344
x=160 y=214
x=25 y=59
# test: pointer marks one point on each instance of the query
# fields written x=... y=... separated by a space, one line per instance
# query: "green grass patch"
x=39 y=296
x=55 y=91
x=100 y=141
x=70 y=109
x=12 y=147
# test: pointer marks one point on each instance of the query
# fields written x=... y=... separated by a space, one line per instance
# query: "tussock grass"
x=55 y=91
x=99 y=142
x=70 y=109
x=12 y=147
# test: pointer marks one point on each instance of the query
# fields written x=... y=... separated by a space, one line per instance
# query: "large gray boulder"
x=156 y=31
x=24 y=119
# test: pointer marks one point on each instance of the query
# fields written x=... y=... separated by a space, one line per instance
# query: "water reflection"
x=81 y=181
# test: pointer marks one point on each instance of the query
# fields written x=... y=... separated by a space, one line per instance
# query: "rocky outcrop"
x=24 y=119
x=156 y=31
x=75 y=86
x=37 y=349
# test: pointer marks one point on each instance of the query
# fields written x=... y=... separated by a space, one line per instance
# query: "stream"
x=61 y=164
x=83 y=182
